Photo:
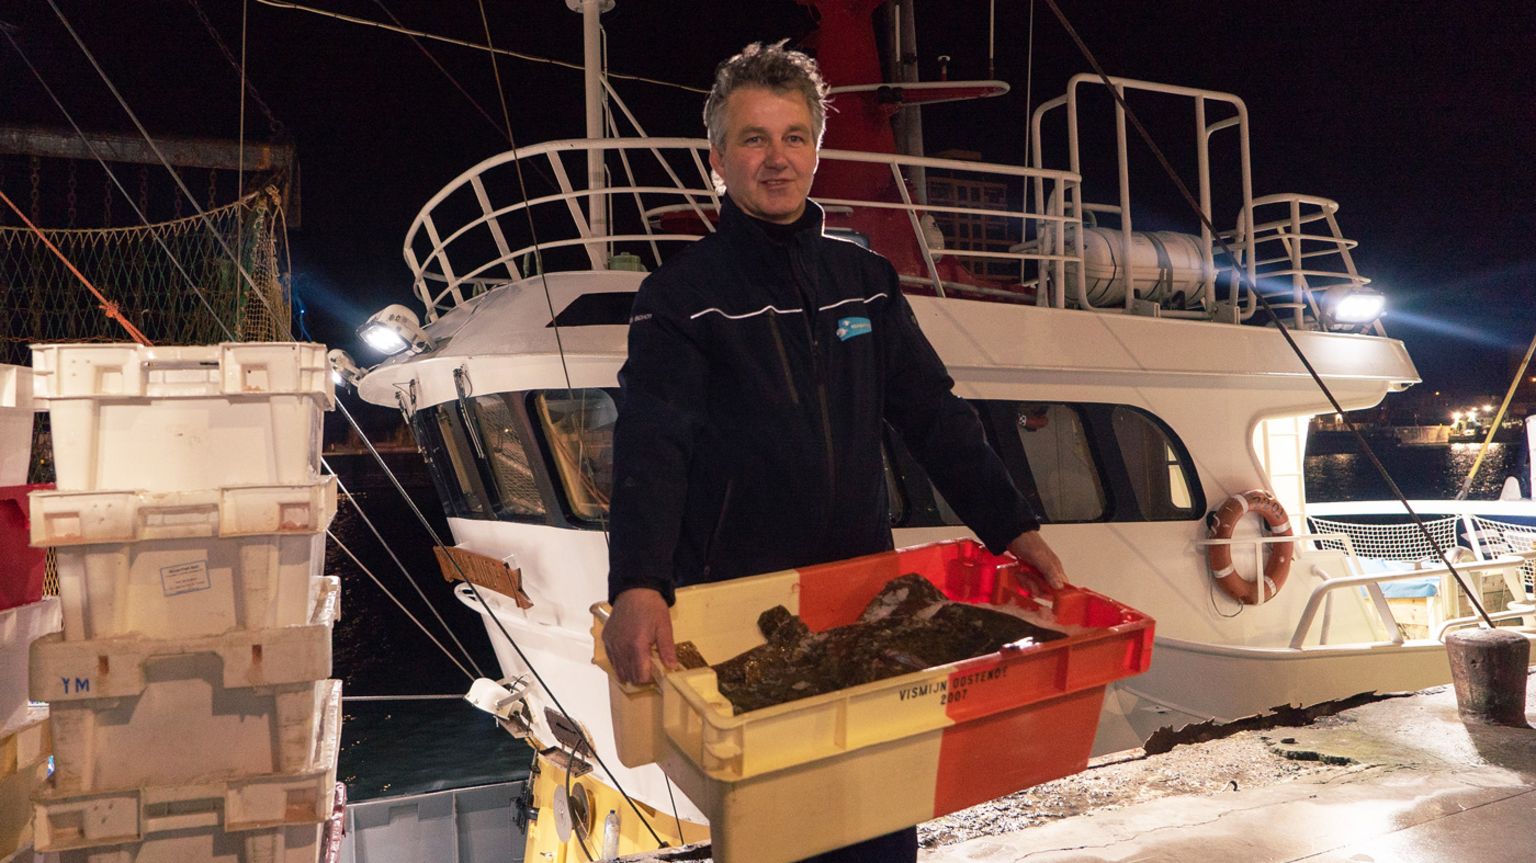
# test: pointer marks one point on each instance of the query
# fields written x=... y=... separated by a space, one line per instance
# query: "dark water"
x=1421 y=472
x=402 y=747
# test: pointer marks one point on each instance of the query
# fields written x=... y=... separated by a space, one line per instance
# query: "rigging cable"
x=1285 y=332
x=401 y=565
x=192 y=284
x=107 y=305
x=352 y=19
x=187 y=193
x=565 y=368
x=441 y=68
x=1498 y=420
x=1029 y=84
x=368 y=572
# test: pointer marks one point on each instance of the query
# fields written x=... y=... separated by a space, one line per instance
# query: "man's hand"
x=1031 y=548
x=640 y=621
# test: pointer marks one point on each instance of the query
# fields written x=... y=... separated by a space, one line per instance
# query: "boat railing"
x=1472 y=571
x=1300 y=256
x=1310 y=548
x=520 y=212
x=1236 y=304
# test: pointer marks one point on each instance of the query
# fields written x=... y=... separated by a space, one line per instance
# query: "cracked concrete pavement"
x=1400 y=780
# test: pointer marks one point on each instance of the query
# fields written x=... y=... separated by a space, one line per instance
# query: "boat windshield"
x=579 y=427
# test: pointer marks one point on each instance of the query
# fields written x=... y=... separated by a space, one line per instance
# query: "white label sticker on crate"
x=184 y=578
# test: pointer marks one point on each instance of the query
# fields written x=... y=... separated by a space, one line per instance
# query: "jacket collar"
x=744 y=231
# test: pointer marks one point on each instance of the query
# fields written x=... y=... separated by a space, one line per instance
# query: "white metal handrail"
x=1204 y=131
x=447 y=250
x=1303 y=283
x=1370 y=581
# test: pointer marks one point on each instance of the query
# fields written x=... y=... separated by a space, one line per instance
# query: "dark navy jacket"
x=761 y=364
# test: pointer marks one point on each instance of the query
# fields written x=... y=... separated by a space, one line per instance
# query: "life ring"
x=1277 y=563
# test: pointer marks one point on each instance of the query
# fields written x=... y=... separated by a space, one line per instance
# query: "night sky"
x=1419 y=118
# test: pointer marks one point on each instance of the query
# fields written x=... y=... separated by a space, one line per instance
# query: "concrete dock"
x=1401 y=780
x=1413 y=784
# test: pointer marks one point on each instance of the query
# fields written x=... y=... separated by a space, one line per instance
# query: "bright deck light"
x=1359 y=307
x=344 y=370
x=394 y=329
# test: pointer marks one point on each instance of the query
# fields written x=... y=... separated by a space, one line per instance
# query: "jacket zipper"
x=789 y=377
x=811 y=313
x=714 y=537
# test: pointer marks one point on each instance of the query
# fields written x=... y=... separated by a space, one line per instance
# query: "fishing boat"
x=1147 y=389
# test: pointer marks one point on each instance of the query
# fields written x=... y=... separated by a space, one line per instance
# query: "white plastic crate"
x=23 y=770
x=135 y=711
x=27 y=855
x=180 y=588
x=19 y=627
x=92 y=517
x=16 y=407
x=159 y=819
x=172 y=418
x=208 y=845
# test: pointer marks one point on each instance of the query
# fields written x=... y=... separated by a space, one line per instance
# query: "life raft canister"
x=1277 y=561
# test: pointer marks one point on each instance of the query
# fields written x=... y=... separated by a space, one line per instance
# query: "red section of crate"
x=1021 y=717
x=21 y=565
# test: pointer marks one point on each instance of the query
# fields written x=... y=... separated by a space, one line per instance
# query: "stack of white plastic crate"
x=191 y=714
x=24 y=616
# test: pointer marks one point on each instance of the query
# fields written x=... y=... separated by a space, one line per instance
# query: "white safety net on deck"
x=1389 y=541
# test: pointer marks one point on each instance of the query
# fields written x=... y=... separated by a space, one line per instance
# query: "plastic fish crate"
x=131 y=712
x=826 y=771
x=185 y=563
x=87 y=517
x=19 y=627
x=16 y=409
x=23 y=770
x=179 y=588
x=22 y=568
x=208 y=845
x=126 y=416
x=231 y=819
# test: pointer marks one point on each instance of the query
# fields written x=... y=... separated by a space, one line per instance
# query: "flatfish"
x=908 y=626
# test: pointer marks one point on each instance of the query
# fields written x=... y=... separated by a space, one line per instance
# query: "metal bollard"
x=1488 y=669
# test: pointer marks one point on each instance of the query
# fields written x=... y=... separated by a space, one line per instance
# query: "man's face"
x=769 y=158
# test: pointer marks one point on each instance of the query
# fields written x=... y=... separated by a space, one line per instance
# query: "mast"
x=592 y=64
x=909 y=122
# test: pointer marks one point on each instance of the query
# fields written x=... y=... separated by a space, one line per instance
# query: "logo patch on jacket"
x=847 y=328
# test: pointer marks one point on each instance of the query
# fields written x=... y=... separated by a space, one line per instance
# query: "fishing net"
x=1500 y=537
x=177 y=280
x=1389 y=541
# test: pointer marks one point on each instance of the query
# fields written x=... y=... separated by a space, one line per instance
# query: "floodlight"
x=394 y=329
x=1360 y=306
x=344 y=369
x=497 y=697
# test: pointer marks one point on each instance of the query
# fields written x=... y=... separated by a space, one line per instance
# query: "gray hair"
x=774 y=67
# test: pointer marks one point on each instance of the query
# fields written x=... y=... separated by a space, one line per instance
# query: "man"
x=763 y=363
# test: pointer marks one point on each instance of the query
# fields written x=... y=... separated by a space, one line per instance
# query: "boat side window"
x=578 y=424
x=424 y=428
x=470 y=500
x=1062 y=471
x=1158 y=469
x=517 y=489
